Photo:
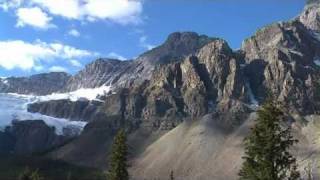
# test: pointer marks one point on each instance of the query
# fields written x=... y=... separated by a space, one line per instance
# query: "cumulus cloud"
x=121 y=11
x=74 y=32
x=57 y=69
x=33 y=17
x=9 y=4
x=75 y=63
x=118 y=11
x=70 y=9
x=145 y=44
x=116 y=56
x=22 y=55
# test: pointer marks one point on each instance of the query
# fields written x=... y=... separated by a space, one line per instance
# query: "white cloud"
x=38 y=68
x=70 y=9
x=76 y=63
x=74 y=32
x=121 y=11
x=143 y=43
x=57 y=69
x=33 y=17
x=9 y=4
x=31 y=56
x=116 y=56
x=118 y=11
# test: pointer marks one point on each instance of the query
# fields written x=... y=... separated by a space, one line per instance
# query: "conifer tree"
x=118 y=160
x=267 y=155
x=171 y=175
x=28 y=174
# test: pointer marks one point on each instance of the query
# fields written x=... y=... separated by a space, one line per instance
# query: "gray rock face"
x=98 y=73
x=6 y=143
x=311 y=16
x=209 y=80
x=125 y=73
x=78 y=111
x=40 y=84
x=177 y=46
x=29 y=137
x=285 y=55
x=192 y=77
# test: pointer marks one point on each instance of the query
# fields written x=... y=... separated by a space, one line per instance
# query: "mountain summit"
x=188 y=103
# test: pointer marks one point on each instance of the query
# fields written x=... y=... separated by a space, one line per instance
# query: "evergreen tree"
x=27 y=174
x=267 y=155
x=118 y=160
x=171 y=175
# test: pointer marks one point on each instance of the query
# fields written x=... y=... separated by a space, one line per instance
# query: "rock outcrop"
x=199 y=93
x=30 y=137
x=98 y=73
x=281 y=60
x=82 y=110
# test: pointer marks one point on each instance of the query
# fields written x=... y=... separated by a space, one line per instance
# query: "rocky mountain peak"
x=177 y=46
x=310 y=17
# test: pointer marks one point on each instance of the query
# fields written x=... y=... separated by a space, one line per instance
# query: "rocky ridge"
x=196 y=92
x=40 y=84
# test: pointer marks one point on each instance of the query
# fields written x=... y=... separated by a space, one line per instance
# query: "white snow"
x=15 y=107
x=296 y=52
x=4 y=80
x=253 y=100
x=88 y=94
x=317 y=61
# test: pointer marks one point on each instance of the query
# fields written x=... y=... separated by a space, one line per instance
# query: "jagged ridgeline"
x=186 y=105
x=313 y=1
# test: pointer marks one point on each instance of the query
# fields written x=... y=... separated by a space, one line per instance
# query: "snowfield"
x=14 y=107
x=88 y=94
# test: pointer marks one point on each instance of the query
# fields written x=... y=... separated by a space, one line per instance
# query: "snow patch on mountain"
x=14 y=107
x=253 y=101
x=89 y=94
x=316 y=61
x=80 y=94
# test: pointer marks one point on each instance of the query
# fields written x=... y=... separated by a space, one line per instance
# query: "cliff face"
x=286 y=55
x=98 y=73
x=198 y=90
x=30 y=137
x=40 y=84
x=83 y=110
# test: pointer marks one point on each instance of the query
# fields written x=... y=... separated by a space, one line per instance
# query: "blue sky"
x=49 y=35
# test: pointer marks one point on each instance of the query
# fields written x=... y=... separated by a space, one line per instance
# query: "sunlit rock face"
x=285 y=54
x=311 y=17
x=186 y=104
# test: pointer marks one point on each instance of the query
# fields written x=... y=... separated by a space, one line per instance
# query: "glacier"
x=14 y=107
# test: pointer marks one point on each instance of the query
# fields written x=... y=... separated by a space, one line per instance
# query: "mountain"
x=188 y=104
x=40 y=84
x=98 y=73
